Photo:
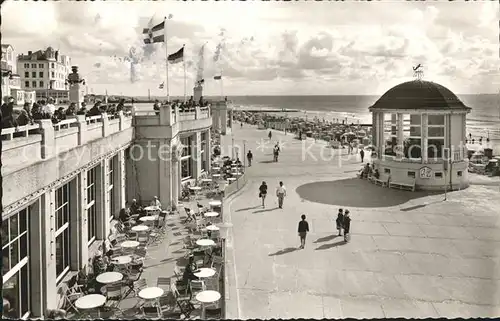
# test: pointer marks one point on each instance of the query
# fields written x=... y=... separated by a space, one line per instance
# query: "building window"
x=52 y=73
x=40 y=74
x=459 y=173
x=390 y=134
x=412 y=136
x=110 y=178
x=203 y=153
x=26 y=74
x=91 y=206
x=438 y=174
x=33 y=74
x=52 y=65
x=33 y=65
x=41 y=84
x=26 y=65
x=435 y=132
x=186 y=158
x=33 y=84
x=27 y=84
x=62 y=231
x=411 y=174
x=15 y=265
x=40 y=66
x=387 y=170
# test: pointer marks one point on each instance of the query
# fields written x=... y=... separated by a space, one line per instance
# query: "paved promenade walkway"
x=411 y=254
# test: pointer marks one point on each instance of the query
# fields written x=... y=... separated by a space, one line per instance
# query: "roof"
x=419 y=94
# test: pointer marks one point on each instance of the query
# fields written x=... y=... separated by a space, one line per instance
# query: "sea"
x=483 y=121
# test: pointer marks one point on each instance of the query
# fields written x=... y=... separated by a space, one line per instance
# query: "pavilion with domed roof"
x=419 y=130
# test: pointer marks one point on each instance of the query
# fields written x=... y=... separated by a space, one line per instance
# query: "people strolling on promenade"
x=362 y=154
x=302 y=230
x=276 y=152
x=340 y=221
x=270 y=135
x=347 y=226
x=280 y=193
x=249 y=158
x=263 y=193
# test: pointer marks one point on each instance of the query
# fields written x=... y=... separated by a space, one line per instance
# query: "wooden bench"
x=409 y=186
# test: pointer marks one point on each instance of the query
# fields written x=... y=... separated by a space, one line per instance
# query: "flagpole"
x=185 y=79
x=221 y=87
x=166 y=55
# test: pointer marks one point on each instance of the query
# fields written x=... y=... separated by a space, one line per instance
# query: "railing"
x=94 y=119
x=175 y=115
x=21 y=131
x=65 y=124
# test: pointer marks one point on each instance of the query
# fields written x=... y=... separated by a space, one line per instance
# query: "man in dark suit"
x=303 y=229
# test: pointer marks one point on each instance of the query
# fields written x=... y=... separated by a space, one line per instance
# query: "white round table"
x=238 y=174
x=205 y=242
x=90 y=301
x=152 y=208
x=216 y=168
x=212 y=228
x=215 y=203
x=195 y=188
x=207 y=297
x=140 y=228
x=206 y=180
x=109 y=277
x=205 y=273
x=130 y=244
x=216 y=175
x=148 y=218
x=231 y=179
x=211 y=214
x=121 y=260
x=151 y=293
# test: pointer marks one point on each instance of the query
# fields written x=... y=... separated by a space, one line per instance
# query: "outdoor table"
x=152 y=208
x=216 y=175
x=205 y=242
x=216 y=168
x=109 y=277
x=231 y=179
x=130 y=244
x=207 y=180
x=148 y=218
x=204 y=273
x=121 y=260
x=151 y=293
x=91 y=301
x=207 y=297
x=212 y=228
x=215 y=203
x=140 y=228
x=211 y=214
x=195 y=188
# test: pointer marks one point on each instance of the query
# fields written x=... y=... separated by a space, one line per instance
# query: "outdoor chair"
x=163 y=283
x=139 y=285
x=183 y=302
x=166 y=305
x=217 y=260
x=213 y=313
x=69 y=298
x=114 y=291
x=189 y=217
x=151 y=312
x=196 y=286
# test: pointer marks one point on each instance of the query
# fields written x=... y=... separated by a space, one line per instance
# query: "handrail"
x=22 y=130
x=93 y=119
x=64 y=124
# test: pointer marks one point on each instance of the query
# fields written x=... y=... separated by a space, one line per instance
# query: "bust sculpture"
x=74 y=77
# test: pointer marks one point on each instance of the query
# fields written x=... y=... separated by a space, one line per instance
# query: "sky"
x=267 y=48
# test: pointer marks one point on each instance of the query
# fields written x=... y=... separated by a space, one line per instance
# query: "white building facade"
x=45 y=72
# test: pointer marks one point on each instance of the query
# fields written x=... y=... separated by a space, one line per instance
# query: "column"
x=48 y=247
x=375 y=116
x=36 y=259
x=381 y=138
x=399 y=136
x=223 y=121
x=81 y=182
x=165 y=180
x=100 y=201
x=175 y=181
x=196 y=154
x=105 y=124
x=423 y=137
x=105 y=199
x=121 y=182
x=82 y=129
x=208 y=151
x=48 y=138
x=75 y=219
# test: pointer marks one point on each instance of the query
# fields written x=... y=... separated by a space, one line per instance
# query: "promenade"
x=410 y=255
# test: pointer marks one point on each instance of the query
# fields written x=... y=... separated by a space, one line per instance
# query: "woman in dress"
x=263 y=193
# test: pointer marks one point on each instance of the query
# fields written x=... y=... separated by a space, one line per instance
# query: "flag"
x=176 y=57
x=161 y=85
x=218 y=77
x=155 y=34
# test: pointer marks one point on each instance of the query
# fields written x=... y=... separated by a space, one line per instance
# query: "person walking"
x=276 y=152
x=362 y=154
x=340 y=221
x=263 y=193
x=302 y=230
x=281 y=193
x=249 y=158
x=347 y=226
x=270 y=135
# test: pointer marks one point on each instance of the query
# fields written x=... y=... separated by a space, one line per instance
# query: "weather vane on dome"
x=418 y=72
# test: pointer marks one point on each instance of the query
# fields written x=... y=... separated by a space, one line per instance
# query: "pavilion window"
x=202 y=152
x=111 y=179
x=91 y=205
x=63 y=246
x=390 y=134
x=186 y=158
x=15 y=265
x=435 y=132
x=413 y=142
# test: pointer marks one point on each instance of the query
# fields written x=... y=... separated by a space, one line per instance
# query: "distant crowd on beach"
x=473 y=140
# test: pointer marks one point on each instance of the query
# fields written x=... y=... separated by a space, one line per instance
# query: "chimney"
x=30 y=52
x=57 y=55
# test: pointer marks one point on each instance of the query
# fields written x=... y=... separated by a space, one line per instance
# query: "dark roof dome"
x=419 y=94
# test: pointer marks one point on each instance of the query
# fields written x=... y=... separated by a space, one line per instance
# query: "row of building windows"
x=41 y=83
x=41 y=74
x=40 y=66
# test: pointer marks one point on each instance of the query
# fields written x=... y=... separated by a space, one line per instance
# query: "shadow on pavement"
x=329 y=246
x=326 y=238
x=411 y=208
x=266 y=210
x=248 y=208
x=357 y=192
x=284 y=251
x=267 y=162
